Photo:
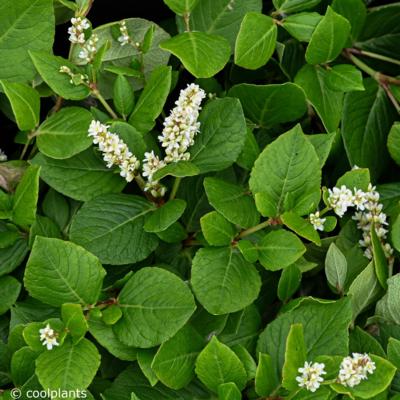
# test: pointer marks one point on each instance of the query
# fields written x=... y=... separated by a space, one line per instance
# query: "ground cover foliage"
x=206 y=207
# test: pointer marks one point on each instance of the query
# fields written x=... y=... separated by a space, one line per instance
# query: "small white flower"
x=76 y=31
x=317 y=222
x=355 y=369
x=310 y=377
x=3 y=156
x=114 y=149
x=340 y=199
x=89 y=49
x=48 y=337
x=124 y=38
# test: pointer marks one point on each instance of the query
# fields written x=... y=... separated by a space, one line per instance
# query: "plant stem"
x=391 y=96
x=186 y=19
x=256 y=228
x=103 y=101
x=175 y=188
x=140 y=181
x=375 y=55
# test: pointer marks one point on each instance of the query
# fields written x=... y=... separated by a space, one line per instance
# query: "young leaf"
x=279 y=249
x=336 y=268
x=393 y=142
x=218 y=364
x=355 y=11
x=202 y=54
x=216 y=229
x=145 y=358
x=65 y=133
x=287 y=176
x=300 y=226
x=25 y=103
x=301 y=26
x=9 y=292
x=26 y=197
x=163 y=217
x=74 y=320
x=291 y=6
x=175 y=359
x=289 y=282
x=54 y=274
x=328 y=38
x=223 y=132
x=345 y=78
x=24 y=25
x=124 y=98
x=22 y=365
x=155 y=304
x=107 y=225
x=256 y=41
x=266 y=380
x=262 y=103
x=229 y=391
x=223 y=281
x=295 y=357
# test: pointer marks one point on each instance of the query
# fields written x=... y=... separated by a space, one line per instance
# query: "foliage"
x=206 y=207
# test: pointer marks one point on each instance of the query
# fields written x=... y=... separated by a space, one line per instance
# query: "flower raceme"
x=311 y=376
x=77 y=30
x=48 y=337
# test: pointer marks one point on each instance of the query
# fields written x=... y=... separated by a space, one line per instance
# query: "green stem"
x=376 y=56
x=254 y=229
x=186 y=19
x=103 y=101
x=24 y=150
x=391 y=96
x=175 y=188
x=140 y=181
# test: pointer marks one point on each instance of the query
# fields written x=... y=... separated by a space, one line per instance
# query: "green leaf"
x=49 y=66
x=322 y=145
x=250 y=152
x=336 y=268
x=22 y=365
x=26 y=197
x=262 y=104
x=107 y=226
x=364 y=290
x=81 y=177
x=68 y=367
x=266 y=380
x=289 y=282
x=327 y=102
x=301 y=226
x=355 y=11
x=25 y=25
x=279 y=249
x=395 y=233
x=74 y=321
x=218 y=364
x=388 y=307
x=145 y=358
x=180 y=169
x=25 y=103
x=248 y=250
x=152 y=100
x=43 y=226
x=123 y=96
x=247 y=360
x=11 y=257
x=223 y=132
x=174 y=234
x=380 y=261
x=256 y=41
x=301 y=26
x=105 y=335
x=229 y=391
x=328 y=38
x=223 y=281
x=375 y=384
x=393 y=351
x=216 y=229
x=56 y=207
x=181 y=7
x=363 y=342
x=155 y=304
x=232 y=202
x=65 y=133
x=345 y=78
x=9 y=292
x=163 y=217
x=367 y=119
x=295 y=356
x=175 y=359
x=126 y=71
x=287 y=176
x=325 y=326
x=54 y=274
x=393 y=142
x=355 y=179
x=111 y=315
x=290 y=6
x=221 y=17
x=202 y=54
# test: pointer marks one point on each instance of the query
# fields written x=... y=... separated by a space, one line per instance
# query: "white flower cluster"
x=181 y=126
x=115 y=151
x=124 y=38
x=355 y=369
x=151 y=164
x=368 y=213
x=77 y=30
x=310 y=377
x=48 y=337
x=317 y=222
x=3 y=156
x=89 y=49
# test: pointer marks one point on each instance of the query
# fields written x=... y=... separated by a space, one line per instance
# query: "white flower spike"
x=317 y=222
x=310 y=378
x=48 y=337
x=77 y=30
x=89 y=49
x=124 y=39
x=355 y=369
